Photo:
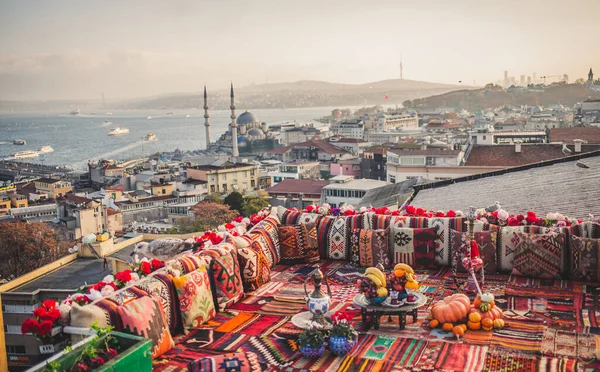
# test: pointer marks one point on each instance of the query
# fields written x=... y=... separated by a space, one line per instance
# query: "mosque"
x=253 y=136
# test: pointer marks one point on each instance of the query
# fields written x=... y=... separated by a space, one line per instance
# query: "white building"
x=346 y=189
x=354 y=146
x=542 y=121
x=296 y=171
x=349 y=129
x=384 y=123
x=426 y=163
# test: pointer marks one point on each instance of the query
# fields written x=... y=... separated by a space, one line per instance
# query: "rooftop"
x=505 y=155
x=191 y=181
x=47 y=180
x=428 y=152
x=299 y=186
x=350 y=140
x=362 y=184
x=552 y=186
x=70 y=276
x=323 y=146
x=568 y=135
x=225 y=165
x=76 y=199
x=145 y=200
x=279 y=150
x=388 y=195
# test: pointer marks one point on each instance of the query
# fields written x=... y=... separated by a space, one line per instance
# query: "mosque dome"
x=255 y=132
x=247 y=118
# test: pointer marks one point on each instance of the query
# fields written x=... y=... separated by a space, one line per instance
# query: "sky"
x=63 y=49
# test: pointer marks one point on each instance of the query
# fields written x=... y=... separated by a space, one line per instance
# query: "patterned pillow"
x=256 y=270
x=486 y=240
x=225 y=271
x=144 y=317
x=195 y=298
x=160 y=285
x=239 y=362
x=539 y=255
x=298 y=244
x=405 y=221
x=585 y=255
x=187 y=263
x=442 y=226
x=588 y=230
x=369 y=247
x=267 y=234
x=414 y=247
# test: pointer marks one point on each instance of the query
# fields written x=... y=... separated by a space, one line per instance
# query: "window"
x=392 y=179
x=15 y=349
x=224 y=177
x=212 y=188
x=245 y=174
x=252 y=183
x=164 y=191
x=224 y=187
x=484 y=138
x=12 y=329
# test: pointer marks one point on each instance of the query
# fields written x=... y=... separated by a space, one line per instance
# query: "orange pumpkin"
x=458 y=331
x=434 y=323
x=463 y=326
x=451 y=309
x=475 y=317
x=474 y=326
x=498 y=323
x=493 y=314
x=487 y=324
x=447 y=327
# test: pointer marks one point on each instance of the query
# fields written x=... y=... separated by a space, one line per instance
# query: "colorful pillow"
x=588 y=230
x=188 y=263
x=369 y=247
x=256 y=270
x=225 y=271
x=406 y=221
x=160 y=285
x=584 y=260
x=539 y=255
x=144 y=317
x=298 y=244
x=239 y=362
x=414 y=247
x=442 y=226
x=486 y=240
x=267 y=234
x=195 y=298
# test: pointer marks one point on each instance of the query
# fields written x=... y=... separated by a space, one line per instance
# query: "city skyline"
x=68 y=49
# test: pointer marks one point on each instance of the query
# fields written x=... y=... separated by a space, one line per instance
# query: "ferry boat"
x=74 y=112
x=25 y=154
x=46 y=149
x=19 y=142
x=118 y=131
x=150 y=137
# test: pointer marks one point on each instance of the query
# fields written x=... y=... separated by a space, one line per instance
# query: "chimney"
x=518 y=147
x=578 y=143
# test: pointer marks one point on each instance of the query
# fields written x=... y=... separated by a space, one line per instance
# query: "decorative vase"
x=312 y=353
x=341 y=345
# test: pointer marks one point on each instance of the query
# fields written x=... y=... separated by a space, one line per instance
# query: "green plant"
x=253 y=205
x=312 y=338
x=235 y=201
x=342 y=326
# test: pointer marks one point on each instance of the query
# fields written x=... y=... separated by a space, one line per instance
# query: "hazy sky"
x=79 y=49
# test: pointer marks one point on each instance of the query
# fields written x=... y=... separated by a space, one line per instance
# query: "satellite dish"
x=75 y=248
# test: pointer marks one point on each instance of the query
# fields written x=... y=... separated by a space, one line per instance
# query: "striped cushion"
x=414 y=247
x=369 y=247
x=539 y=255
x=442 y=226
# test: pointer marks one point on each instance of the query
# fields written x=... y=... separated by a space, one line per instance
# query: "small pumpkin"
x=487 y=324
x=451 y=309
x=498 y=323
x=434 y=323
x=458 y=331
x=447 y=327
x=474 y=326
x=484 y=307
x=477 y=301
x=463 y=326
x=475 y=317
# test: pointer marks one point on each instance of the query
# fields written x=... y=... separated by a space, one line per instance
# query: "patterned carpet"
x=551 y=326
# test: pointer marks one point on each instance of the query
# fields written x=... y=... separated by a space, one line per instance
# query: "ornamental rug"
x=253 y=324
x=556 y=343
x=524 y=341
x=278 y=350
x=498 y=361
x=283 y=306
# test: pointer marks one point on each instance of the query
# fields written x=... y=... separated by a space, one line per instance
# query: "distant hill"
x=565 y=94
x=304 y=93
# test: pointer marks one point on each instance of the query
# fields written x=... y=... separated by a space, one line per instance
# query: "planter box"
x=135 y=355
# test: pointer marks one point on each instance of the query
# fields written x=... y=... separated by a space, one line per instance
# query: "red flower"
x=157 y=264
x=495 y=214
x=49 y=304
x=52 y=315
x=520 y=217
x=513 y=221
x=428 y=215
x=579 y=221
x=439 y=214
x=113 y=285
x=235 y=233
x=411 y=210
x=80 y=367
x=145 y=267
x=309 y=209
x=531 y=218
x=420 y=211
x=98 y=286
x=124 y=276
x=451 y=213
x=40 y=312
x=229 y=226
x=238 y=219
x=396 y=212
x=45 y=327
x=111 y=353
x=30 y=325
x=540 y=222
x=96 y=362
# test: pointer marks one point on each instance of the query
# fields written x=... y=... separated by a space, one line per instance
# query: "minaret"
x=401 y=67
x=234 y=138
x=206 y=119
x=590 y=78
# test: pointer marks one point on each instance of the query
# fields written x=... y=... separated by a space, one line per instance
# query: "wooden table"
x=374 y=312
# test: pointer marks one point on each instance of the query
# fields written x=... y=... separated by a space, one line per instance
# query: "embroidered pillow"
x=267 y=234
x=160 y=285
x=414 y=247
x=369 y=247
x=238 y=362
x=486 y=240
x=588 y=230
x=256 y=270
x=187 y=263
x=298 y=244
x=225 y=271
x=442 y=226
x=539 y=255
x=144 y=317
x=585 y=256
x=195 y=298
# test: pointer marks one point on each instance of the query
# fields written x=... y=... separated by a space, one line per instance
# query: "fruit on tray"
x=374 y=284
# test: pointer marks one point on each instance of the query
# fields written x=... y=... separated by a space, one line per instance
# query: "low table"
x=376 y=311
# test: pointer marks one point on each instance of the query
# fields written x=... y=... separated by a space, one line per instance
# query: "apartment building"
x=297 y=171
x=223 y=177
x=54 y=188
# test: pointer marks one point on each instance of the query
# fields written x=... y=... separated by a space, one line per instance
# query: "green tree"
x=207 y=215
x=235 y=201
x=253 y=205
x=215 y=198
x=579 y=81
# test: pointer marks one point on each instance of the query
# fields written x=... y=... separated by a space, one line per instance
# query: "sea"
x=79 y=138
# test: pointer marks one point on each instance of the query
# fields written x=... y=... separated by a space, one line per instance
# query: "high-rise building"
x=534 y=78
x=522 y=82
x=528 y=80
x=505 y=78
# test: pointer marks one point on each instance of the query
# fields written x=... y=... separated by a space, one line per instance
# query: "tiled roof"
x=568 y=135
x=377 y=150
x=279 y=150
x=429 y=152
x=323 y=146
x=299 y=186
x=111 y=211
x=553 y=186
x=76 y=199
x=145 y=200
x=505 y=155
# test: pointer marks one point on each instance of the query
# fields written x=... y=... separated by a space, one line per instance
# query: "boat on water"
x=187 y=116
x=25 y=154
x=150 y=137
x=149 y=117
x=118 y=131
x=45 y=149
x=75 y=112
x=19 y=142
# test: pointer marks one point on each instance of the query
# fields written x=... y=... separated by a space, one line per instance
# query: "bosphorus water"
x=77 y=139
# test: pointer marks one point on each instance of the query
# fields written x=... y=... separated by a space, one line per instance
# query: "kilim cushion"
x=414 y=247
x=239 y=362
x=256 y=270
x=442 y=226
x=298 y=244
x=187 y=263
x=585 y=259
x=160 y=285
x=588 y=230
x=267 y=234
x=486 y=240
x=144 y=317
x=369 y=247
x=405 y=221
x=333 y=234
x=195 y=298
x=539 y=255
x=225 y=271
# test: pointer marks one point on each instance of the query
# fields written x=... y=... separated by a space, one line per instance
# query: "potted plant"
x=343 y=336
x=312 y=343
x=46 y=326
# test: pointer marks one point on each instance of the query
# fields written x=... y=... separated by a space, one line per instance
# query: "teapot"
x=318 y=302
